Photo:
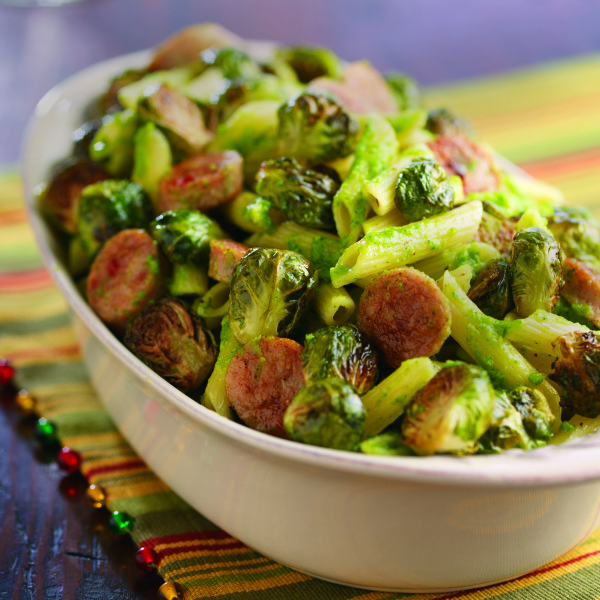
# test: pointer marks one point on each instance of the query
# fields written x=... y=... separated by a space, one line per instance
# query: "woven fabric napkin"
x=546 y=119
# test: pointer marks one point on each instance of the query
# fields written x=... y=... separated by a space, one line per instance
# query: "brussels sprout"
x=442 y=122
x=340 y=351
x=304 y=195
x=314 y=127
x=271 y=290
x=107 y=207
x=577 y=234
x=232 y=62
x=171 y=341
x=535 y=413
x=423 y=190
x=178 y=117
x=113 y=143
x=496 y=228
x=184 y=235
x=326 y=413
x=536 y=271
x=491 y=290
x=405 y=90
x=577 y=372
x=109 y=101
x=60 y=200
x=310 y=62
x=152 y=157
x=386 y=444
x=82 y=137
x=451 y=412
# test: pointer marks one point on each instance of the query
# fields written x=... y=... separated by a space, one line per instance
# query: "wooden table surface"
x=55 y=548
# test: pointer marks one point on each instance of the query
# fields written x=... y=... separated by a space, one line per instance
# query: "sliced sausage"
x=262 y=380
x=224 y=255
x=582 y=287
x=404 y=315
x=125 y=276
x=362 y=90
x=61 y=199
x=202 y=182
x=471 y=162
x=496 y=229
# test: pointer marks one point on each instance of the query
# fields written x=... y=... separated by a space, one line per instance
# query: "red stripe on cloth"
x=123 y=466
x=564 y=164
x=12 y=217
x=24 y=281
x=547 y=569
x=189 y=536
x=232 y=545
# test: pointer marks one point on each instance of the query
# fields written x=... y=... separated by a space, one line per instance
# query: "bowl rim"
x=552 y=465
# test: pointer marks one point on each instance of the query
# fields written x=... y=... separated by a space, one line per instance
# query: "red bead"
x=145 y=559
x=7 y=372
x=68 y=460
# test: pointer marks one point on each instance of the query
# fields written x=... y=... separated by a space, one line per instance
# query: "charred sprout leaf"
x=326 y=413
x=270 y=291
x=304 y=195
x=184 y=235
x=107 y=207
x=171 y=341
x=451 y=412
x=314 y=127
x=60 y=200
x=386 y=444
x=340 y=351
x=423 y=190
x=310 y=62
x=178 y=117
x=113 y=143
x=491 y=290
x=535 y=413
x=232 y=62
x=405 y=90
x=442 y=122
x=577 y=372
x=536 y=271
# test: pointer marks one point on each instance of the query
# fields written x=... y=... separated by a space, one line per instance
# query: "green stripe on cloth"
x=548 y=117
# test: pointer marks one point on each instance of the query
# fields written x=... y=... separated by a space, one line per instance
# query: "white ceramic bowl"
x=401 y=524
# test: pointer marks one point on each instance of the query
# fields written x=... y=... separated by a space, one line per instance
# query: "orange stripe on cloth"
x=13 y=216
x=25 y=281
x=34 y=355
x=566 y=164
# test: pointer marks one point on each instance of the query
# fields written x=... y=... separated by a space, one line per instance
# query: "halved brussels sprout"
x=536 y=271
x=491 y=290
x=270 y=291
x=423 y=190
x=326 y=413
x=442 y=122
x=535 y=413
x=304 y=195
x=232 y=62
x=310 y=62
x=405 y=90
x=340 y=351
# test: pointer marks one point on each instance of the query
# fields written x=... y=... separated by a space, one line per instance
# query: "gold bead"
x=25 y=403
x=170 y=590
x=95 y=496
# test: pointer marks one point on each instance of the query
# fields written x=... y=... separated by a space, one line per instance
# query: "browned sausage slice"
x=202 y=182
x=471 y=162
x=582 y=287
x=224 y=255
x=125 y=276
x=404 y=315
x=262 y=380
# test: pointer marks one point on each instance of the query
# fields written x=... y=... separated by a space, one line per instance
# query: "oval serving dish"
x=399 y=523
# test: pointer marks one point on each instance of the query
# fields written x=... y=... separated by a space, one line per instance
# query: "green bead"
x=45 y=431
x=120 y=522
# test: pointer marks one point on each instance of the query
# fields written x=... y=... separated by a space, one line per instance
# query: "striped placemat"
x=546 y=119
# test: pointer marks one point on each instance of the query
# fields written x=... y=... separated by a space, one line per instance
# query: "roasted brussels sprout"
x=178 y=117
x=184 y=235
x=310 y=62
x=326 y=413
x=232 y=62
x=491 y=290
x=536 y=271
x=451 y=412
x=270 y=291
x=442 y=122
x=304 y=195
x=112 y=146
x=314 y=127
x=423 y=190
x=107 y=207
x=577 y=372
x=535 y=413
x=60 y=200
x=171 y=341
x=388 y=443
x=109 y=102
x=405 y=90
x=340 y=351
x=152 y=158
